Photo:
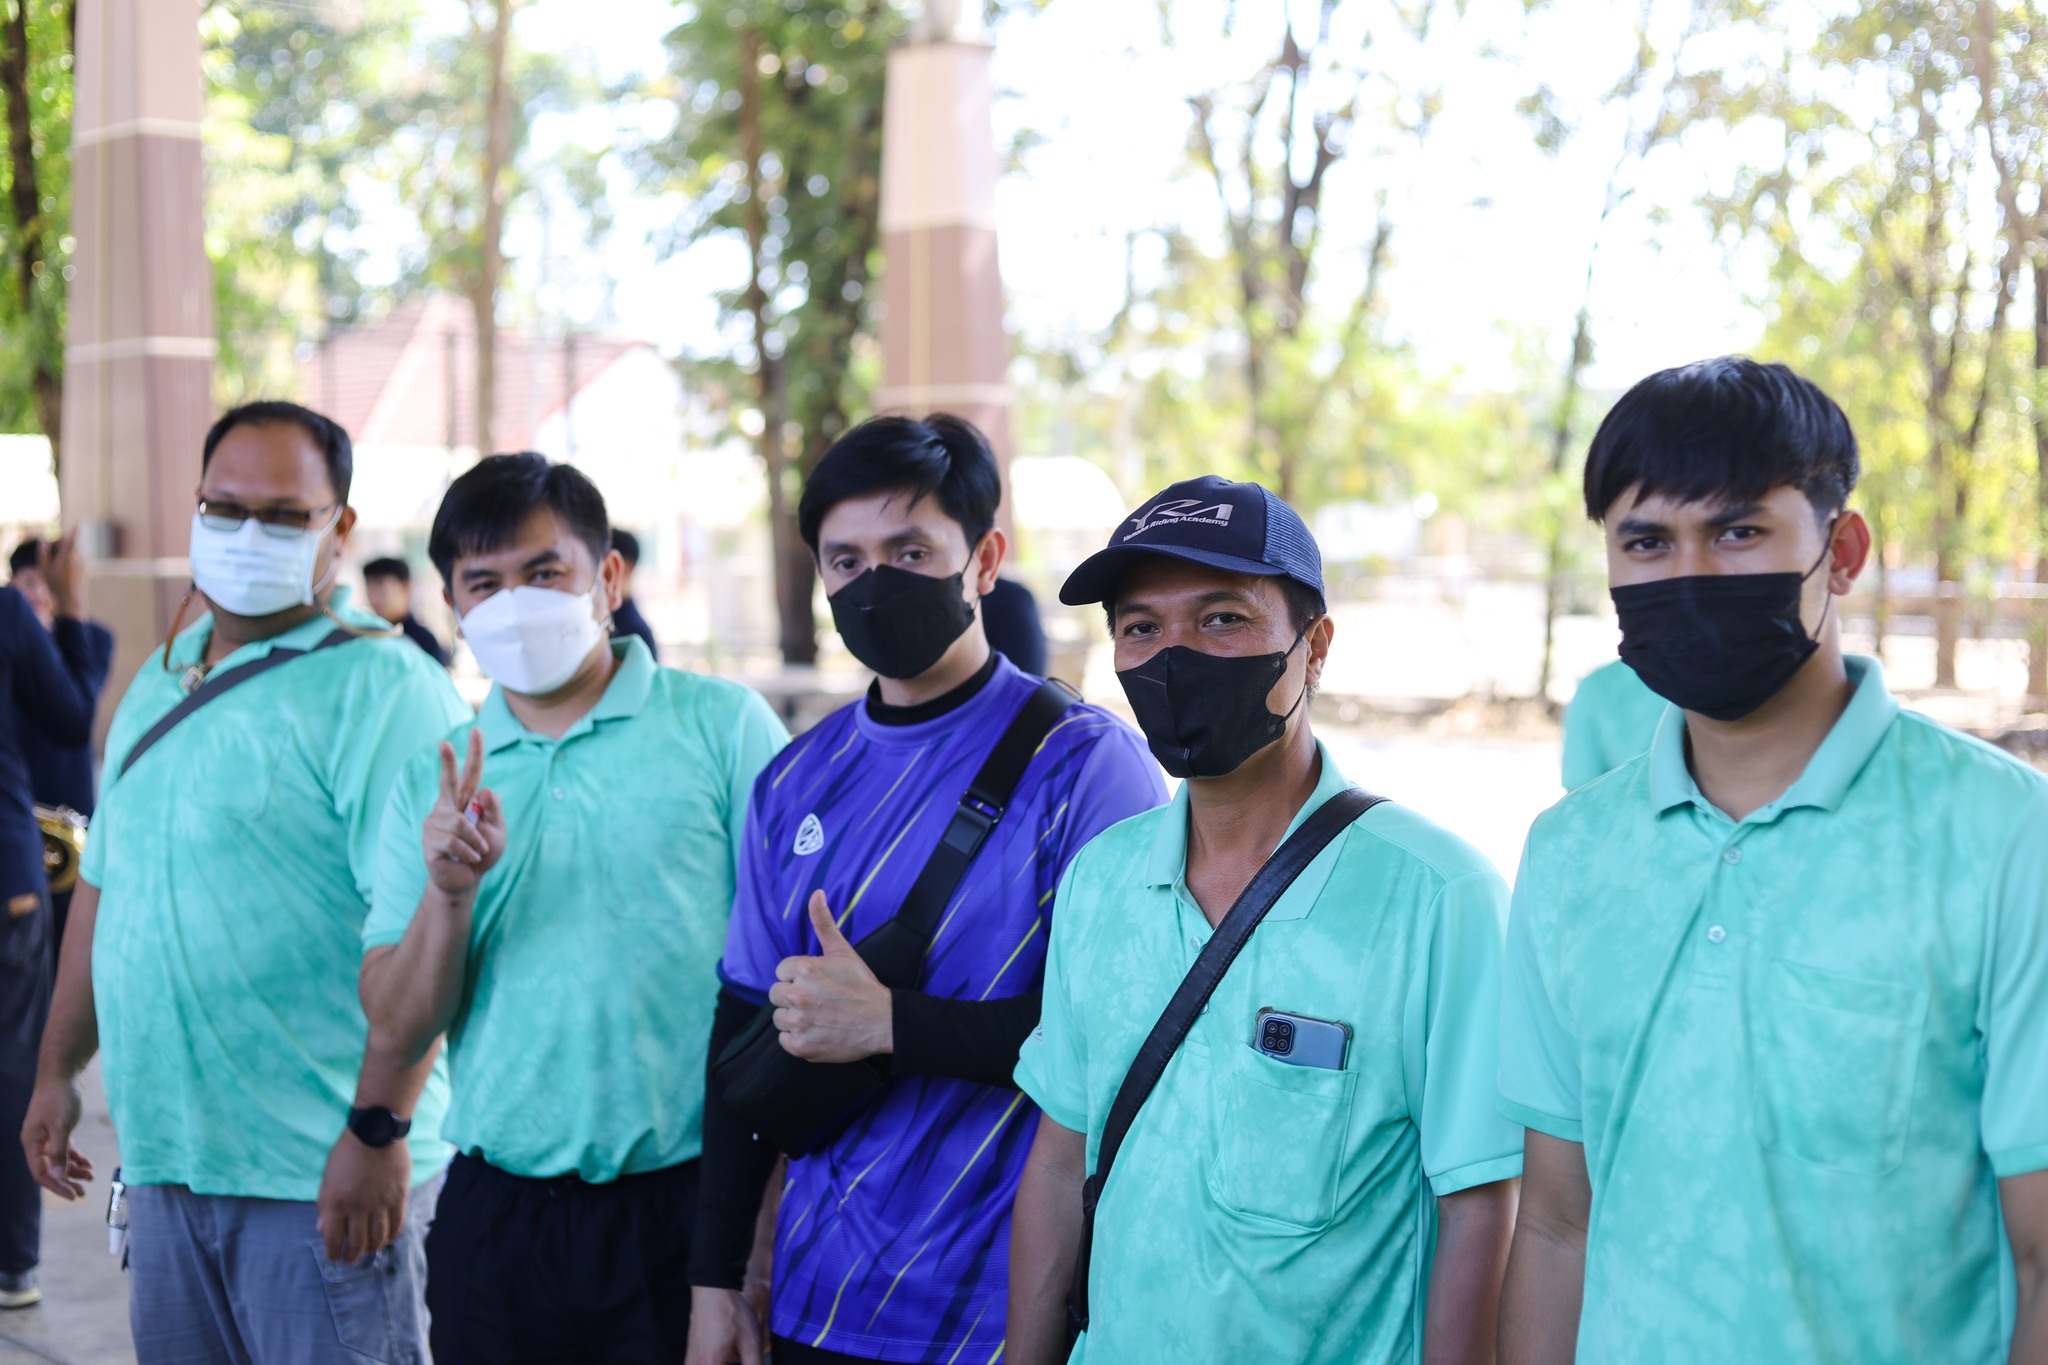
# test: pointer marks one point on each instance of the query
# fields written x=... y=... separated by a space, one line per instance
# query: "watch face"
x=376 y=1127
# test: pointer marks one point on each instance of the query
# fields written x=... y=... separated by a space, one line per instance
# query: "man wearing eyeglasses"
x=212 y=948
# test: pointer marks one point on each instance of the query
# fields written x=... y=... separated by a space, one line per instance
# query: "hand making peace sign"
x=465 y=832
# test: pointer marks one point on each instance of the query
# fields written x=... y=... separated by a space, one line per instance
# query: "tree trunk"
x=2037 y=629
x=1560 y=449
x=46 y=378
x=483 y=298
x=798 y=630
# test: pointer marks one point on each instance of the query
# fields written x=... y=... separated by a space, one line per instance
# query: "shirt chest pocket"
x=668 y=859
x=1833 y=1060
x=1281 y=1138
x=230 y=778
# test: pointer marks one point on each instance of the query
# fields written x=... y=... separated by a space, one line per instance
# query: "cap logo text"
x=1179 y=510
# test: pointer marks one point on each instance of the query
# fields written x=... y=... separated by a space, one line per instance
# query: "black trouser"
x=560 y=1271
x=24 y=1001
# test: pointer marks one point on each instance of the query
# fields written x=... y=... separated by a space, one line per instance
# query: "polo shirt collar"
x=1169 y=860
x=624 y=695
x=190 y=645
x=1849 y=744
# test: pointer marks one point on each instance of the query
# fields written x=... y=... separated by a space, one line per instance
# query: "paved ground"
x=83 y=1319
x=1485 y=789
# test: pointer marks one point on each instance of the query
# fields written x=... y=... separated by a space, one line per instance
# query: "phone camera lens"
x=1279 y=1037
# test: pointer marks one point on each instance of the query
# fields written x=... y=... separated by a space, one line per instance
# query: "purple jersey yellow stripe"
x=893 y=1243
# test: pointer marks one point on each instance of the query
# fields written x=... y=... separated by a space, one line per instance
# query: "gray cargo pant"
x=223 y=1280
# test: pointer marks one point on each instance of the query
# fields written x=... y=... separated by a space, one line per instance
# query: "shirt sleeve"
x=399 y=712
x=758 y=735
x=56 y=673
x=1052 y=1066
x=1117 y=779
x=1465 y=1139
x=2014 y=1013
x=753 y=945
x=1539 y=1065
x=401 y=875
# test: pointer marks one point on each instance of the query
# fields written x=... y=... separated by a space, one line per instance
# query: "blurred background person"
x=1612 y=717
x=1010 y=616
x=627 y=620
x=387 y=583
x=59 y=774
x=50 y=675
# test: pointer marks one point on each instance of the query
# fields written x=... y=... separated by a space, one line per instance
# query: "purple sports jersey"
x=893 y=1243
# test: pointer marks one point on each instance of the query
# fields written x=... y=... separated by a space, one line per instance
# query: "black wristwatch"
x=377 y=1127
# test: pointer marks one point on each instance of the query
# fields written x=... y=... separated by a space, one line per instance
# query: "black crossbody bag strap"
x=220 y=683
x=987 y=796
x=1328 y=821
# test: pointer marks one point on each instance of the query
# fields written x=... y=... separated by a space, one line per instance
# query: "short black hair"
x=1726 y=430
x=27 y=555
x=387 y=568
x=941 y=455
x=325 y=431
x=1304 y=604
x=485 y=508
x=627 y=544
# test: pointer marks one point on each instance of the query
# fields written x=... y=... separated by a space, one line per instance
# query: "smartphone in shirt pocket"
x=1298 y=1040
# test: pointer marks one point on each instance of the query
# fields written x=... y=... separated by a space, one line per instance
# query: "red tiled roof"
x=400 y=380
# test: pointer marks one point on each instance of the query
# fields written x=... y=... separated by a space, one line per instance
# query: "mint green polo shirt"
x=594 y=943
x=1800 y=1048
x=1612 y=718
x=234 y=863
x=1260 y=1211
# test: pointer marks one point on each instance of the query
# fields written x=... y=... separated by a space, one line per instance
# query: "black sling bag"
x=801 y=1106
x=1266 y=887
x=214 y=686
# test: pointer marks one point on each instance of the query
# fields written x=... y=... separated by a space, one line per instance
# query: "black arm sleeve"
x=734 y=1169
x=974 y=1040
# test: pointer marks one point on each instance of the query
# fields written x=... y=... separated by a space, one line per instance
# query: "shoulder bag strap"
x=1271 y=881
x=220 y=683
x=980 y=808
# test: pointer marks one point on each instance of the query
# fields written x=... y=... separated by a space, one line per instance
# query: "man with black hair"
x=213 y=943
x=561 y=926
x=387 y=583
x=52 y=663
x=627 y=620
x=892 y=1239
x=1776 y=1005
x=1318 y=1176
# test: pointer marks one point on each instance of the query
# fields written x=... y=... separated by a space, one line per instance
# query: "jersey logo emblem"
x=810 y=836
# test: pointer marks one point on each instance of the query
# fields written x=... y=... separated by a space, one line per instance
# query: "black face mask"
x=899 y=623
x=1720 y=645
x=1204 y=714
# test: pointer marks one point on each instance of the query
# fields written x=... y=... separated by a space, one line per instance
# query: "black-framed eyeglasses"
x=283 y=523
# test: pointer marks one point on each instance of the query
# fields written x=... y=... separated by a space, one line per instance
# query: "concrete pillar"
x=138 y=357
x=943 y=343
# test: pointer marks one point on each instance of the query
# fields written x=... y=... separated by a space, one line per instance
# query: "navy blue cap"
x=1240 y=527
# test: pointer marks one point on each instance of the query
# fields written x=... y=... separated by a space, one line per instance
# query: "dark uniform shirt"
x=424 y=638
x=48 y=683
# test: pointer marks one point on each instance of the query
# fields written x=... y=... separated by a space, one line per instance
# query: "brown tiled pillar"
x=943 y=343
x=138 y=359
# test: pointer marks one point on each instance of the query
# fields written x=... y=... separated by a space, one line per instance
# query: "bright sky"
x=1490 y=235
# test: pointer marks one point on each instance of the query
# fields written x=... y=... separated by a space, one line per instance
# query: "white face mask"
x=532 y=640
x=251 y=572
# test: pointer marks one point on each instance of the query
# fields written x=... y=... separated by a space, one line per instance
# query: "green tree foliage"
x=35 y=213
x=777 y=145
x=1888 y=275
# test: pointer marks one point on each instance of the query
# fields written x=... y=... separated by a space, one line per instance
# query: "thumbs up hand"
x=830 y=1008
